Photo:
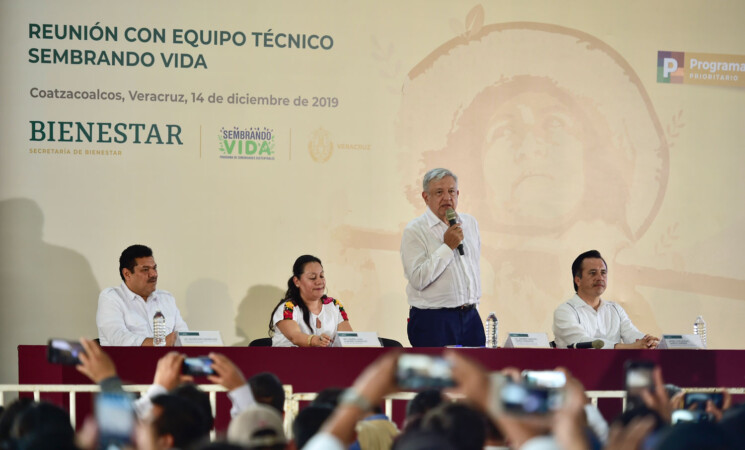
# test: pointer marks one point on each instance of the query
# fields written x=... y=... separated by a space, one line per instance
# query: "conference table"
x=313 y=369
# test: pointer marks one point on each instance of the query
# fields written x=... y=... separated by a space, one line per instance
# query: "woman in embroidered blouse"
x=306 y=317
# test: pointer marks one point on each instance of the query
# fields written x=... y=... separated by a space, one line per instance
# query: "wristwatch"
x=353 y=398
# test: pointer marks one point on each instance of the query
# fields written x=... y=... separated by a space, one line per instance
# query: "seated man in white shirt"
x=586 y=317
x=125 y=313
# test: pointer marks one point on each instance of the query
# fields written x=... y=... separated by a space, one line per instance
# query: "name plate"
x=680 y=341
x=356 y=339
x=199 y=339
x=527 y=340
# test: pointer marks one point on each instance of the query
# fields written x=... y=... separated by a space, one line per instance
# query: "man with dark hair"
x=43 y=425
x=424 y=401
x=8 y=416
x=177 y=423
x=191 y=392
x=586 y=317
x=328 y=396
x=308 y=422
x=459 y=424
x=267 y=389
x=125 y=313
x=420 y=405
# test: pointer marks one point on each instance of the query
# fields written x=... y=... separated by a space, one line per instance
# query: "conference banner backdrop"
x=234 y=136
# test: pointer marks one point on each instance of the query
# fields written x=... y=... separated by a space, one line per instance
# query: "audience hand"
x=95 y=363
x=87 y=436
x=658 y=400
x=518 y=429
x=676 y=401
x=716 y=412
x=569 y=423
x=378 y=379
x=228 y=375
x=630 y=436
x=471 y=379
x=168 y=372
x=475 y=384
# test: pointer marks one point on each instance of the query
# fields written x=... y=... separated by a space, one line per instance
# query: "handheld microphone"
x=597 y=343
x=450 y=216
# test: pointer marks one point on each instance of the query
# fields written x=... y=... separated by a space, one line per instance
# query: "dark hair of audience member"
x=293 y=292
x=494 y=436
x=129 y=255
x=733 y=423
x=459 y=424
x=419 y=439
x=641 y=411
x=308 y=421
x=329 y=397
x=182 y=419
x=696 y=436
x=418 y=406
x=221 y=446
x=201 y=399
x=267 y=389
x=9 y=415
x=43 y=425
x=424 y=401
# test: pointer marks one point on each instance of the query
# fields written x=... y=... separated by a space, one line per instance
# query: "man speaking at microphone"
x=586 y=317
x=440 y=255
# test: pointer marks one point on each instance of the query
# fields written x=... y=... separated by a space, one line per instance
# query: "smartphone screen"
x=116 y=419
x=638 y=378
x=523 y=398
x=683 y=415
x=696 y=401
x=419 y=372
x=62 y=351
x=545 y=378
x=200 y=366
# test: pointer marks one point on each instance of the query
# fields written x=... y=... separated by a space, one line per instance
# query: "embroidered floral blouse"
x=332 y=314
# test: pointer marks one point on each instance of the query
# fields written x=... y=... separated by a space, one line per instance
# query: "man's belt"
x=462 y=308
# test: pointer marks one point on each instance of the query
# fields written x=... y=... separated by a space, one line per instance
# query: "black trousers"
x=445 y=326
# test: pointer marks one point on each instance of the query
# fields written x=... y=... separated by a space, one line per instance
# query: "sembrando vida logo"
x=247 y=143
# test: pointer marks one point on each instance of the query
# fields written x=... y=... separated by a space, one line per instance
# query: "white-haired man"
x=444 y=279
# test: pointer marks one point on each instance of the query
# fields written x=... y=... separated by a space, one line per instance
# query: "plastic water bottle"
x=491 y=330
x=159 y=329
x=699 y=329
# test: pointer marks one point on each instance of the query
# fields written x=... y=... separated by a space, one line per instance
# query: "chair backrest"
x=261 y=342
x=389 y=342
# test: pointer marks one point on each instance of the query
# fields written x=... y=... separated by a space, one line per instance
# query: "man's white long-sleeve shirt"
x=576 y=321
x=438 y=276
x=125 y=319
x=241 y=398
